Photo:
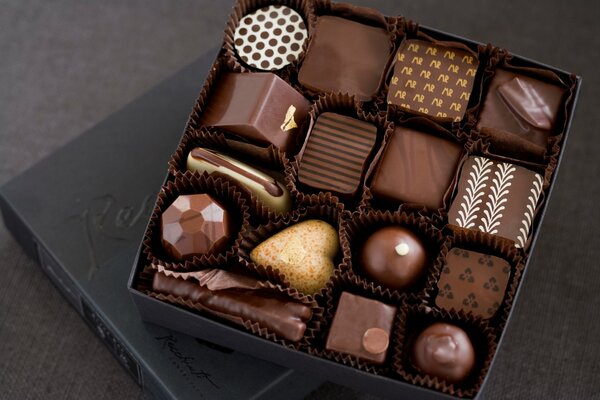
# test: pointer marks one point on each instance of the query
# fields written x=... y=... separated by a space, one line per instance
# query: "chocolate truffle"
x=259 y=107
x=520 y=108
x=270 y=38
x=345 y=57
x=434 y=79
x=444 y=351
x=416 y=167
x=336 y=153
x=269 y=191
x=239 y=299
x=195 y=225
x=472 y=282
x=393 y=257
x=497 y=198
x=303 y=252
x=361 y=327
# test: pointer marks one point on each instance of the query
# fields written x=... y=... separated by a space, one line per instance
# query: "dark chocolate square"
x=345 y=57
x=361 y=327
x=434 y=79
x=522 y=106
x=472 y=282
x=416 y=167
x=336 y=153
x=496 y=197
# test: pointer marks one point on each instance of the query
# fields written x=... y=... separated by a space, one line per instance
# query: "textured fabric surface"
x=65 y=65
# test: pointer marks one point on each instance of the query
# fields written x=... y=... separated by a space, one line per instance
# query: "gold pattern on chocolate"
x=433 y=79
x=289 y=123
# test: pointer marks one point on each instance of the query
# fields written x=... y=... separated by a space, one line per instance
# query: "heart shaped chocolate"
x=303 y=252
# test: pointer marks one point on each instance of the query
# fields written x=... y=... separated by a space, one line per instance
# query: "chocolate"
x=269 y=191
x=444 y=351
x=393 y=257
x=416 y=167
x=270 y=38
x=345 y=57
x=434 y=79
x=522 y=108
x=496 y=197
x=361 y=327
x=303 y=252
x=472 y=282
x=285 y=317
x=259 y=107
x=336 y=153
x=195 y=225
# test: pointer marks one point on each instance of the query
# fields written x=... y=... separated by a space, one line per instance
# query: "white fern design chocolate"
x=497 y=198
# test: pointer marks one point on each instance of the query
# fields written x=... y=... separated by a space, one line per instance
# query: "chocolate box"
x=99 y=213
x=443 y=149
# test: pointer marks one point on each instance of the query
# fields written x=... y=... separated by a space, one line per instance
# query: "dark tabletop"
x=65 y=65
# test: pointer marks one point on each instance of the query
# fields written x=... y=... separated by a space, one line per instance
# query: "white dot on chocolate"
x=268 y=24
x=402 y=249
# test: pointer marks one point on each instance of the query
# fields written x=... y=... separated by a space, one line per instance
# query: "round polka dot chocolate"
x=270 y=38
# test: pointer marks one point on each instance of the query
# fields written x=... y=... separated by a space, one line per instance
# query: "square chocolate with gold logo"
x=472 y=282
x=434 y=79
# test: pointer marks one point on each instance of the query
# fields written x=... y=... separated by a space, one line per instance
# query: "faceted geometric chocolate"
x=345 y=57
x=434 y=79
x=270 y=38
x=259 y=107
x=361 y=327
x=416 y=167
x=472 y=282
x=496 y=197
x=195 y=225
x=522 y=107
x=336 y=153
x=444 y=351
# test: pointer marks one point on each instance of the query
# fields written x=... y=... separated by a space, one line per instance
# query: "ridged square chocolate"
x=416 y=167
x=496 y=197
x=434 y=79
x=336 y=153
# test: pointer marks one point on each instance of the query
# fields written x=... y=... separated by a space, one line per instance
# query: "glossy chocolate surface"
x=196 y=225
x=472 y=282
x=496 y=197
x=267 y=189
x=416 y=167
x=285 y=317
x=259 y=107
x=333 y=64
x=521 y=106
x=435 y=79
x=336 y=153
x=361 y=327
x=444 y=351
x=270 y=38
x=393 y=257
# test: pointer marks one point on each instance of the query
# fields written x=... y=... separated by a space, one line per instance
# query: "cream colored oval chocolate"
x=268 y=190
x=303 y=252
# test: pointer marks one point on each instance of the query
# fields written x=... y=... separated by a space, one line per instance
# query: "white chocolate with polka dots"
x=270 y=38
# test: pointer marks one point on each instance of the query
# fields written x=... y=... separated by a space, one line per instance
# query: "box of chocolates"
x=356 y=196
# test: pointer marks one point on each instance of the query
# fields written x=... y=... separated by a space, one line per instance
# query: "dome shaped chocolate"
x=393 y=257
x=444 y=351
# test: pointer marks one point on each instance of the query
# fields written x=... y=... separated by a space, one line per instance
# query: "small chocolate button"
x=375 y=340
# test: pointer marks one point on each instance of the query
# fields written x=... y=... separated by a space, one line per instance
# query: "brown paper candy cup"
x=321 y=207
x=347 y=282
x=360 y=226
x=186 y=184
x=412 y=320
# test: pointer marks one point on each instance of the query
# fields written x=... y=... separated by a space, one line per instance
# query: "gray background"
x=66 y=65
